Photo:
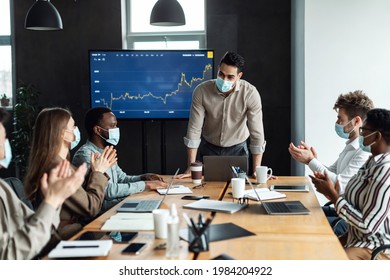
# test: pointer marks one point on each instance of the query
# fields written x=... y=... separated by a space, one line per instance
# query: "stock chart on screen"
x=154 y=84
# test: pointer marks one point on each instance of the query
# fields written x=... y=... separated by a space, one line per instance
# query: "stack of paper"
x=129 y=221
x=176 y=189
x=264 y=194
x=81 y=248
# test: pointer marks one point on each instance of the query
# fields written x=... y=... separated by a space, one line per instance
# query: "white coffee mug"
x=238 y=186
x=263 y=173
x=160 y=221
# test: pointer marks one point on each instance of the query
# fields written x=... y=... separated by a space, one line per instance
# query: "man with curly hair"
x=351 y=111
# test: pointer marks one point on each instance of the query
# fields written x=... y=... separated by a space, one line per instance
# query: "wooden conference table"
x=278 y=237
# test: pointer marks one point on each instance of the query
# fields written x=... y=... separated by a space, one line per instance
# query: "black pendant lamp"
x=43 y=16
x=167 y=13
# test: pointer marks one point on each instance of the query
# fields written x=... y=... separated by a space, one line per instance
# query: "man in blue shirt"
x=102 y=128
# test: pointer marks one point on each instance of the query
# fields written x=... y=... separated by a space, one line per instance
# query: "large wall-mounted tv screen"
x=152 y=84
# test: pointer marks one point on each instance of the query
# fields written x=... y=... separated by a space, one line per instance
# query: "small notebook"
x=81 y=249
x=177 y=189
x=215 y=205
x=264 y=194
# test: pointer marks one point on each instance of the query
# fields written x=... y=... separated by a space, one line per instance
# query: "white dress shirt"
x=347 y=165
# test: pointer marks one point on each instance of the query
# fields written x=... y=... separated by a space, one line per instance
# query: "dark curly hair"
x=379 y=119
x=355 y=103
x=233 y=59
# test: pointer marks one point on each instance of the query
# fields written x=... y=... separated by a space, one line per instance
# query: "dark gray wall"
x=57 y=63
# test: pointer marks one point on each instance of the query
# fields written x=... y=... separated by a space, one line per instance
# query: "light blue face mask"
x=340 y=130
x=224 y=86
x=77 y=138
x=7 y=154
x=113 y=136
x=362 y=146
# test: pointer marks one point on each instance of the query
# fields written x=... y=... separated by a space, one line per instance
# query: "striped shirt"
x=366 y=204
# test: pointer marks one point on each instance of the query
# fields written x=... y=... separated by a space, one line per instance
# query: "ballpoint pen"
x=79 y=246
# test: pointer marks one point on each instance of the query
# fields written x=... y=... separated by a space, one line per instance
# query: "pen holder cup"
x=198 y=242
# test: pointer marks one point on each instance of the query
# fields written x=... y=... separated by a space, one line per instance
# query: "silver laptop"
x=147 y=205
x=218 y=168
x=282 y=207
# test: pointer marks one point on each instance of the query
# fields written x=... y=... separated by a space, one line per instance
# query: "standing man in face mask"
x=102 y=129
x=224 y=113
x=351 y=111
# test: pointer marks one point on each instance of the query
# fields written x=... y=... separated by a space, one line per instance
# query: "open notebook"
x=146 y=205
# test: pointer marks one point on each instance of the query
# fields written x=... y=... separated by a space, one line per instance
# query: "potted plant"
x=25 y=112
x=4 y=100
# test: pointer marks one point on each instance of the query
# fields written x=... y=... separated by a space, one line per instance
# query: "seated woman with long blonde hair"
x=54 y=135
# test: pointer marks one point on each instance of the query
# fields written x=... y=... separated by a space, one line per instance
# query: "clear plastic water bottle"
x=173 y=241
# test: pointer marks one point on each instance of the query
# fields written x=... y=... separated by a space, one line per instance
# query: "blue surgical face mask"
x=340 y=130
x=7 y=154
x=77 y=138
x=113 y=136
x=224 y=86
x=362 y=146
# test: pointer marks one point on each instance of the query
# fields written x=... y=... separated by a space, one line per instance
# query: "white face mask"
x=113 y=136
x=7 y=154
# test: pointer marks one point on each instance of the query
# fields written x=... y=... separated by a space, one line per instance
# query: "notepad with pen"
x=81 y=249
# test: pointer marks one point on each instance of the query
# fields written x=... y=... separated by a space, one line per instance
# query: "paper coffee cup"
x=196 y=172
x=238 y=186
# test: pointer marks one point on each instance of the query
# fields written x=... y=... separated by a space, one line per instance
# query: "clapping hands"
x=101 y=162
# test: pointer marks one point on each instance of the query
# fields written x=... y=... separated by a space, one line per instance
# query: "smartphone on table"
x=134 y=248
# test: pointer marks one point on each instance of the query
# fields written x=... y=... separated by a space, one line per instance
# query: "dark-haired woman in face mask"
x=54 y=135
x=366 y=203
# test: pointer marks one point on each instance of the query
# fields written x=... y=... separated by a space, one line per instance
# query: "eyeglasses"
x=199 y=186
x=361 y=129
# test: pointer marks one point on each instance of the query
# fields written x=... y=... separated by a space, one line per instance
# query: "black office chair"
x=17 y=185
x=378 y=250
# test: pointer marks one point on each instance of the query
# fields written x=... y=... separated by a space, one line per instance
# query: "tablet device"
x=281 y=188
x=116 y=236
